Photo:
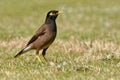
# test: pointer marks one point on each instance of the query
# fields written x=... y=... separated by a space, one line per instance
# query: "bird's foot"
x=38 y=58
x=45 y=59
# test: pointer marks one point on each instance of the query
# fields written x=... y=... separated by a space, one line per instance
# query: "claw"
x=38 y=58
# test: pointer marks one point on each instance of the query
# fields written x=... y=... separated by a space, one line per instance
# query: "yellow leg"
x=38 y=58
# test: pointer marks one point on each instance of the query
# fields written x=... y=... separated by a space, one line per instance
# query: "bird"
x=43 y=37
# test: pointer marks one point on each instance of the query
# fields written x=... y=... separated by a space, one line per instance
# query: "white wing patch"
x=27 y=48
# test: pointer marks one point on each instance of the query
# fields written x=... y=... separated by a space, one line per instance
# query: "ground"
x=87 y=46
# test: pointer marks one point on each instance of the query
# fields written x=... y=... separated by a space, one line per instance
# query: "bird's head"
x=53 y=14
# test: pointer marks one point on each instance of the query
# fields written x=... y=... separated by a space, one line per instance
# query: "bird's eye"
x=52 y=14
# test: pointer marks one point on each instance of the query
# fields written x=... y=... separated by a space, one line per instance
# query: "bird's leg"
x=44 y=52
x=37 y=56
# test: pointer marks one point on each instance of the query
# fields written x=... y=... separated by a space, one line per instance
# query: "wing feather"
x=39 y=32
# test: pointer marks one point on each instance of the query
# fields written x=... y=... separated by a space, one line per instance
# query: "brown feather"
x=38 y=33
x=44 y=36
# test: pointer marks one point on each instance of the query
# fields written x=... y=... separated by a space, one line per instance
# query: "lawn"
x=87 y=46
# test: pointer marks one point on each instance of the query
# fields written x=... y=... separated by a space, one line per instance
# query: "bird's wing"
x=39 y=32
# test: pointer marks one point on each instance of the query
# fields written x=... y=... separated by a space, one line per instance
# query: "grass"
x=87 y=46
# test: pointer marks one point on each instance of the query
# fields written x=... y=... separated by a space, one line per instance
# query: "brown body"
x=45 y=39
x=44 y=36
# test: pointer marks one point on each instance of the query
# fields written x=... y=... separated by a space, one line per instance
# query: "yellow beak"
x=60 y=12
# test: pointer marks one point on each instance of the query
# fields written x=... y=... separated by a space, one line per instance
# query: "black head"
x=53 y=14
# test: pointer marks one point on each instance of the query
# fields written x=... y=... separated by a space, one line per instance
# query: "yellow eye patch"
x=52 y=14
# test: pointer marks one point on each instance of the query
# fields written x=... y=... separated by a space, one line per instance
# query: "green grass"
x=87 y=46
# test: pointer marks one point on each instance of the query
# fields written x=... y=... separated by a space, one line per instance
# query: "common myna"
x=44 y=36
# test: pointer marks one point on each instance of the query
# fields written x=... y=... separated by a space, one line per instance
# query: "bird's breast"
x=45 y=40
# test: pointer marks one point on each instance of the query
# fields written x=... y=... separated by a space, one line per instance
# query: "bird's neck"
x=49 y=21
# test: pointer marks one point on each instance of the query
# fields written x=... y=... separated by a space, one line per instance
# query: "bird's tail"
x=22 y=51
x=19 y=53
